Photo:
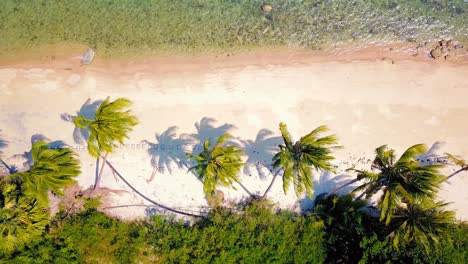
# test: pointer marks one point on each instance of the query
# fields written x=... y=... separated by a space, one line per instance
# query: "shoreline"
x=68 y=57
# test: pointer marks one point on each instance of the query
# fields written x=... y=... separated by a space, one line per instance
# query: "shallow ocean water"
x=115 y=27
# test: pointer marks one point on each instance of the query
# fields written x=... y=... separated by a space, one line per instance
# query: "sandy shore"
x=377 y=99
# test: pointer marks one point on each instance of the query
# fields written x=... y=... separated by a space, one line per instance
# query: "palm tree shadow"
x=260 y=153
x=87 y=110
x=9 y=169
x=323 y=186
x=168 y=150
x=207 y=130
x=27 y=155
x=3 y=144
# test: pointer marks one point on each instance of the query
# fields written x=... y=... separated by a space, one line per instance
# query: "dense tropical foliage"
x=217 y=165
x=401 y=181
x=297 y=159
x=110 y=127
x=407 y=224
x=24 y=195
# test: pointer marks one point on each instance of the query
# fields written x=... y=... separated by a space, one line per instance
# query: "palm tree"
x=345 y=222
x=401 y=181
x=21 y=223
x=424 y=222
x=206 y=130
x=24 y=196
x=218 y=165
x=52 y=170
x=295 y=160
x=111 y=125
x=459 y=162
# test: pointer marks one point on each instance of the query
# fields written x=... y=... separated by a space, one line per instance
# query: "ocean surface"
x=116 y=27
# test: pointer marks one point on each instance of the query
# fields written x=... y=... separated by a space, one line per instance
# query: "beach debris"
x=88 y=57
x=388 y=60
x=266 y=8
x=445 y=49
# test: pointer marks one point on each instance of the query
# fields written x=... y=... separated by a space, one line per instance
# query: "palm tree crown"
x=424 y=222
x=24 y=196
x=109 y=127
x=401 y=180
x=218 y=165
x=297 y=159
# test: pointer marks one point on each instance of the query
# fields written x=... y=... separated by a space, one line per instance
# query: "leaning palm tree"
x=296 y=160
x=399 y=181
x=217 y=165
x=52 y=170
x=110 y=126
x=24 y=196
x=424 y=222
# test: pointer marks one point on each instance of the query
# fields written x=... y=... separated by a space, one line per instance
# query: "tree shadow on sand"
x=168 y=150
x=5 y=168
x=27 y=155
x=325 y=185
x=260 y=153
x=207 y=130
x=87 y=110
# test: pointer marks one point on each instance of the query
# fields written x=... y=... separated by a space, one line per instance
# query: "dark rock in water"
x=88 y=57
x=266 y=7
x=436 y=53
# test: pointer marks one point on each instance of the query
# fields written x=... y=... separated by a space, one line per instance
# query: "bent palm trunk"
x=99 y=177
x=245 y=189
x=6 y=166
x=145 y=197
x=271 y=184
x=342 y=187
x=457 y=172
x=155 y=169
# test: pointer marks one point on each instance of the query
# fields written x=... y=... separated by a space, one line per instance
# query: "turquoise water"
x=140 y=26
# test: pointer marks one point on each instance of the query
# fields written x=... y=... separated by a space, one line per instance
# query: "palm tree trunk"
x=101 y=171
x=341 y=187
x=6 y=166
x=458 y=171
x=97 y=171
x=271 y=184
x=145 y=197
x=152 y=175
x=245 y=189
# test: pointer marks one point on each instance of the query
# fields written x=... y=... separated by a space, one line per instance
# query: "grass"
x=119 y=27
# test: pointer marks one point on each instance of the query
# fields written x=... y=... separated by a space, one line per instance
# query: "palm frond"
x=411 y=153
x=285 y=134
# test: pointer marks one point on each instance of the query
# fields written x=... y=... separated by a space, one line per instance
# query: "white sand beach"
x=367 y=103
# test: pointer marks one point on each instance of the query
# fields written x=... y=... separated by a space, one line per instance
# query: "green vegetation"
x=119 y=27
x=219 y=165
x=24 y=197
x=333 y=233
x=406 y=226
x=296 y=159
x=109 y=127
x=401 y=181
